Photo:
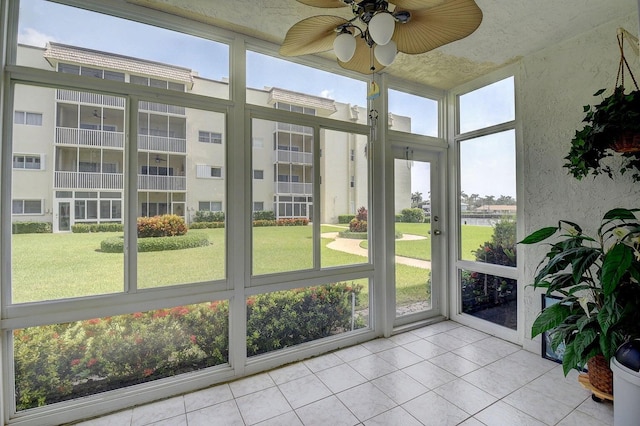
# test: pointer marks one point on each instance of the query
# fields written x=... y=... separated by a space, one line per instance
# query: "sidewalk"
x=349 y=245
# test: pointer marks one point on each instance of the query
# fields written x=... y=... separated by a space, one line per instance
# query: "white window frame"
x=25 y=118
x=24 y=157
x=24 y=201
x=205 y=136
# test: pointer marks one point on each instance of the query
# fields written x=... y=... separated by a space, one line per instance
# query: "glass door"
x=418 y=235
x=63 y=220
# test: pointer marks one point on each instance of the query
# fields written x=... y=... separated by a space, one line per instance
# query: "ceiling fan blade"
x=415 y=4
x=361 y=61
x=311 y=35
x=431 y=28
x=324 y=3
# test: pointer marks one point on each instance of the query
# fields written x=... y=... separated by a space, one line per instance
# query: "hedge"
x=206 y=225
x=414 y=215
x=83 y=228
x=264 y=215
x=60 y=362
x=31 y=228
x=206 y=216
x=116 y=244
x=345 y=218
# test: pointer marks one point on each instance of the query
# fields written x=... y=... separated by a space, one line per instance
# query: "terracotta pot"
x=600 y=375
x=627 y=142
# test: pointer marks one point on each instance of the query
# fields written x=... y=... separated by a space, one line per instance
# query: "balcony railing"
x=156 y=107
x=297 y=157
x=161 y=143
x=86 y=137
x=89 y=98
x=162 y=183
x=87 y=180
x=294 y=188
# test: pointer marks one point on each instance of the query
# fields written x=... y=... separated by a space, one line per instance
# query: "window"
x=258 y=206
x=258 y=174
x=110 y=209
x=353 y=155
x=258 y=142
x=26 y=207
x=27 y=118
x=86 y=210
x=210 y=206
x=30 y=162
x=210 y=137
x=488 y=205
x=205 y=171
x=412 y=114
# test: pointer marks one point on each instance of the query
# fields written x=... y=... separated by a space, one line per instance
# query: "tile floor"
x=443 y=374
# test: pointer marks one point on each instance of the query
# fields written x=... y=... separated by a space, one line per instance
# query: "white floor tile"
x=372 y=366
x=119 y=418
x=304 y=390
x=446 y=341
x=554 y=385
x=157 y=411
x=433 y=410
x=399 y=386
x=354 y=352
x=400 y=357
x=289 y=372
x=226 y=413
x=322 y=362
x=454 y=364
x=544 y=408
x=395 y=416
x=578 y=418
x=501 y=414
x=286 y=419
x=477 y=355
x=328 y=411
x=180 y=420
x=251 y=384
x=466 y=396
x=602 y=411
x=494 y=383
x=467 y=334
x=207 y=397
x=429 y=375
x=379 y=345
x=424 y=349
x=366 y=401
x=340 y=377
x=262 y=405
x=497 y=346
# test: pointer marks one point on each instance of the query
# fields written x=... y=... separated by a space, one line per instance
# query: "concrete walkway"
x=349 y=245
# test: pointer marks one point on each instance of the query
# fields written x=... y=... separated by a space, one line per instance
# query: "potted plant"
x=598 y=280
x=612 y=125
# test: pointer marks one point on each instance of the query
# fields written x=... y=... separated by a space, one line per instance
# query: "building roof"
x=57 y=52
x=326 y=105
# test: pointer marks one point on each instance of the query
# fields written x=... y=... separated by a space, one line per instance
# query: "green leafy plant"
x=167 y=225
x=617 y=115
x=598 y=280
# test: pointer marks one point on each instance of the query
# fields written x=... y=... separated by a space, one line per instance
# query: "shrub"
x=398 y=218
x=60 y=362
x=259 y=223
x=345 y=218
x=287 y=318
x=31 y=228
x=359 y=223
x=264 y=215
x=353 y=235
x=116 y=244
x=414 y=215
x=167 y=225
x=206 y=225
x=206 y=216
x=298 y=221
x=80 y=228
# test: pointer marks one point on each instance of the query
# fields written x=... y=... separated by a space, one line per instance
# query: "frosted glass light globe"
x=381 y=28
x=344 y=46
x=386 y=53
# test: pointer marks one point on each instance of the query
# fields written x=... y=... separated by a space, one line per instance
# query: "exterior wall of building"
x=80 y=143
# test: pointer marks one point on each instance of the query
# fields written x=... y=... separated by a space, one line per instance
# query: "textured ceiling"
x=510 y=29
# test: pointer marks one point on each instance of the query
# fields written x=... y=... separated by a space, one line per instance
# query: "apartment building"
x=70 y=147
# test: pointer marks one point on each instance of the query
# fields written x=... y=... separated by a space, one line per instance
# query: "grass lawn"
x=56 y=266
x=472 y=238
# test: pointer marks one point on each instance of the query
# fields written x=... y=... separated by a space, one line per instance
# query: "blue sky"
x=42 y=21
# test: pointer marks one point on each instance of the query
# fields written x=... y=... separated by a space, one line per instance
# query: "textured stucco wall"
x=555 y=83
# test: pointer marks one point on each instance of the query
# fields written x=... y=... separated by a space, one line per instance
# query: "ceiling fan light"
x=344 y=46
x=386 y=53
x=381 y=28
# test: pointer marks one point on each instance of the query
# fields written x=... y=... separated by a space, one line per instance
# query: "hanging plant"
x=611 y=126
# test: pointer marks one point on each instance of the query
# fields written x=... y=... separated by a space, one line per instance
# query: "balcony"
x=294 y=188
x=87 y=180
x=162 y=183
x=161 y=144
x=296 y=157
x=89 y=98
x=90 y=138
x=156 y=107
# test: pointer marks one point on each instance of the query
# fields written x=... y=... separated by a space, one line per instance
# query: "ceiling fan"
x=379 y=29
x=159 y=159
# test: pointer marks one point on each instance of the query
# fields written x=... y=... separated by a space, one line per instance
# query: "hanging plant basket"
x=611 y=126
x=627 y=142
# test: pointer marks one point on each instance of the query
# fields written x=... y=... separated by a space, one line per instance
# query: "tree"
x=416 y=199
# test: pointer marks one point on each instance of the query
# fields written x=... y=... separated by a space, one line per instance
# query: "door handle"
x=437 y=232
